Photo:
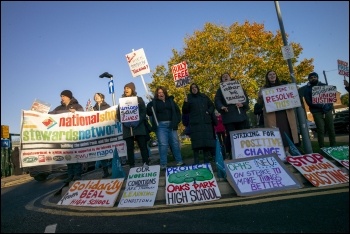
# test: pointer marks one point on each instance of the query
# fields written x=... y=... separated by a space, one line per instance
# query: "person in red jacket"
x=220 y=129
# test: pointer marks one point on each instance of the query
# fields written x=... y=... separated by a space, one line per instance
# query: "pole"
x=301 y=115
x=113 y=97
x=147 y=94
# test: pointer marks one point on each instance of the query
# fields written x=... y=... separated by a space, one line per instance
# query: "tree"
x=345 y=99
x=245 y=51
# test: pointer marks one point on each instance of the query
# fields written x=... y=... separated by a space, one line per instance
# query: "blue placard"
x=111 y=86
x=5 y=143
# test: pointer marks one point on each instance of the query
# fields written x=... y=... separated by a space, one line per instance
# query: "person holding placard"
x=134 y=130
x=70 y=104
x=101 y=104
x=200 y=109
x=165 y=124
x=284 y=120
x=322 y=113
x=234 y=116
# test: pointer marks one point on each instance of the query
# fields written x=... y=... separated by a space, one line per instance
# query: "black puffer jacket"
x=315 y=108
x=200 y=109
x=63 y=108
x=175 y=111
x=104 y=105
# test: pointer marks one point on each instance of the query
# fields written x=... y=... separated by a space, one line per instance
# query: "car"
x=311 y=125
x=341 y=121
x=40 y=173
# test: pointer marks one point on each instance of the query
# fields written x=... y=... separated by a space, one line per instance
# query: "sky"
x=47 y=47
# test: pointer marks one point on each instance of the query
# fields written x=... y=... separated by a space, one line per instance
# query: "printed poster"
x=141 y=187
x=191 y=184
x=318 y=170
x=40 y=106
x=65 y=138
x=261 y=174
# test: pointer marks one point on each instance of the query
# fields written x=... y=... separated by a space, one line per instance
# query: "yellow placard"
x=5 y=132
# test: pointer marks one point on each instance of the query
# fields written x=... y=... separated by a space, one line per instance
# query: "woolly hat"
x=130 y=85
x=312 y=74
x=67 y=93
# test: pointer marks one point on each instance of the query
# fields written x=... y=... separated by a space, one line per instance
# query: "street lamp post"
x=107 y=75
x=300 y=113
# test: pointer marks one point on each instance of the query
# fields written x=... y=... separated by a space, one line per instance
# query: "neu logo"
x=104 y=153
x=30 y=159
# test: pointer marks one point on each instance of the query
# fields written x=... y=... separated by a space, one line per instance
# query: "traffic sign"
x=111 y=86
x=5 y=132
x=5 y=143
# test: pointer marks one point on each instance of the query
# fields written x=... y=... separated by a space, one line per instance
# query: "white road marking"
x=51 y=228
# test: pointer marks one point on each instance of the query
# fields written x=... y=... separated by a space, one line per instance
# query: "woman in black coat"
x=200 y=109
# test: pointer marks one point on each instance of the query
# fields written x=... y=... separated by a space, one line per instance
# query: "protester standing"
x=70 y=104
x=101 y=104
x=322 y=113
x=258 y=111
x=201 y=111
x=284 y=120
x=234 y=116
x=168 y=116
x=135 y=130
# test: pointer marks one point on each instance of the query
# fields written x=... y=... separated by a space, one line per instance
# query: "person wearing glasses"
x=322 y=113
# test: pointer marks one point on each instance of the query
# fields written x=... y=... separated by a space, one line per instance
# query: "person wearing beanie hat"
x=70 y=104
x=67 y=93
x=131 y=86
x=322 y=113
x=310 y=76
x=134 y=130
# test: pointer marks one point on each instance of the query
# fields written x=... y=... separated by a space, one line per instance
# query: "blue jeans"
x=167 y=137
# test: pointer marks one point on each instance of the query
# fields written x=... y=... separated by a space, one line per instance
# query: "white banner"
x=70 y=137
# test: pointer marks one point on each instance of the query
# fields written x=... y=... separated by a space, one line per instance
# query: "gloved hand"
x=326 y=108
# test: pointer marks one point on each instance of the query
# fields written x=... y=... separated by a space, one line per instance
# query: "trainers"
x=162 y=167
x=179 y=164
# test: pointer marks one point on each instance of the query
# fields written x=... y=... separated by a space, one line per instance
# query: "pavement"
x=224 y=186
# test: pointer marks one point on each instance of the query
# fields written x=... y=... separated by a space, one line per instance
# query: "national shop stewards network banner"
x=48 y=139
